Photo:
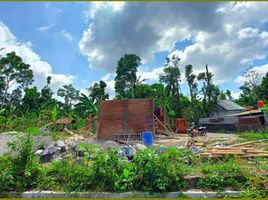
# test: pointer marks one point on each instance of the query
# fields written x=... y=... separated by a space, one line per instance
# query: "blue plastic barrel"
x=147 y=139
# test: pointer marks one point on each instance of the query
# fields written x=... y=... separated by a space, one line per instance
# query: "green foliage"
x=263 y=88
x=221 y=174
x=69 y=94
x=31 y=100
x=126 y=77
x=256 y=187
x=20 y=172
x=67 y=176
x=97 y=92
x=54 y=114
x=7 y=179
x=85 y=107
x=171 y=78
x=159 y=172
x=33 y=131
x=13 y=71
x=108 y=167
x=265 y=109
x=152 y=170
x=209 y=91
x=192 y=84
x=253 y=136
x=252 y=89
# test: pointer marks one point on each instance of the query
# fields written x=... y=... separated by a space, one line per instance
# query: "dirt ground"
x=181 y=139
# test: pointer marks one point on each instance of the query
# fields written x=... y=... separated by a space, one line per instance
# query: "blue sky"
x=25 y=21
x=80 y=43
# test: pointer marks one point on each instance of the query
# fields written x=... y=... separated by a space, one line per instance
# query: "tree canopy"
x=126 y=75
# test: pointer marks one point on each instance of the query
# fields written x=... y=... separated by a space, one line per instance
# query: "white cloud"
x=45 y=28
x=41 y=69
x=261 y=70
x=150 y=76
x=66 y=35
x=109 y=80
x=141 y=28
x=227 y=36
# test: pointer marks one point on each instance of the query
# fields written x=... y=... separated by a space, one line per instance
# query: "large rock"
x=46 y=156
x=61 y=145
x=110 y=144
x=122 y=154
x=80 y=154
x=16 y=138
x=39 y=152
x=140 y=147
x=129 y=151
x=49 y=153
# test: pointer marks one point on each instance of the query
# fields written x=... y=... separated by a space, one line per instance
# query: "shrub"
x=20 y=172
x=221 y=174
x=256 y=187
x=159 y=172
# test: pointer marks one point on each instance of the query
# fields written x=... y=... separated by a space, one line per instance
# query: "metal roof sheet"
x=230 y=105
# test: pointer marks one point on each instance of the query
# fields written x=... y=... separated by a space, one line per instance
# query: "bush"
x=256 y=187
x=109 y=168
x=221 y=174
x=20 y=172
x=152 y=170
x=160 y=172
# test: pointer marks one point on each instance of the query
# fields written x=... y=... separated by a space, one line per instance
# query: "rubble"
x=61 y=145
x=122 y=154
x=15 y=137
x=46 y=156
x=140 y=147
x=195 y=149
x=221 y=144
x=129 y=151
x=80 y=154
x=39 y=152
x=110 y=144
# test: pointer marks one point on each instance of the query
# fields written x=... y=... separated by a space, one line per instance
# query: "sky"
x=80 y=43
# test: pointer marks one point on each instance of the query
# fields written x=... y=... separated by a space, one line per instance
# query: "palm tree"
x=85 y=107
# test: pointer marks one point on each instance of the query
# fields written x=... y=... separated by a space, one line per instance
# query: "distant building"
x=227 y=116
x=227 y=107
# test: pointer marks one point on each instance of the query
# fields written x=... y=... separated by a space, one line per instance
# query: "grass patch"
x=253 y=136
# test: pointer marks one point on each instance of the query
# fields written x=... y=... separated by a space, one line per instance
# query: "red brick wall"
x=131 y=116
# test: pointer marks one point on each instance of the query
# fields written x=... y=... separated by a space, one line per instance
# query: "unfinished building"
x=125 y=118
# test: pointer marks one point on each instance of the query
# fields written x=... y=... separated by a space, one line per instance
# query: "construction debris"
x=66 y=121
x=69 y=131
x=244 y=150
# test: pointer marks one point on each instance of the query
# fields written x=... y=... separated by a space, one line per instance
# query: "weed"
x=256 y=186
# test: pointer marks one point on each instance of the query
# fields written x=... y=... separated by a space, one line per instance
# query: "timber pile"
x=160 y=128
x=243 y=150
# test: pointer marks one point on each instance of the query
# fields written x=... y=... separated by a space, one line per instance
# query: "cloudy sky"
x=80 y=43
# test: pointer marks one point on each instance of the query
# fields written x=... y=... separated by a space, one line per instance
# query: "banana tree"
x=85 y=107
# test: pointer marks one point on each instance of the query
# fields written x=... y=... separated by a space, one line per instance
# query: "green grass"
x=253 y=136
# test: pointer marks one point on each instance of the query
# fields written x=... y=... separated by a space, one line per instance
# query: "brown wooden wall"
x=125 y=117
